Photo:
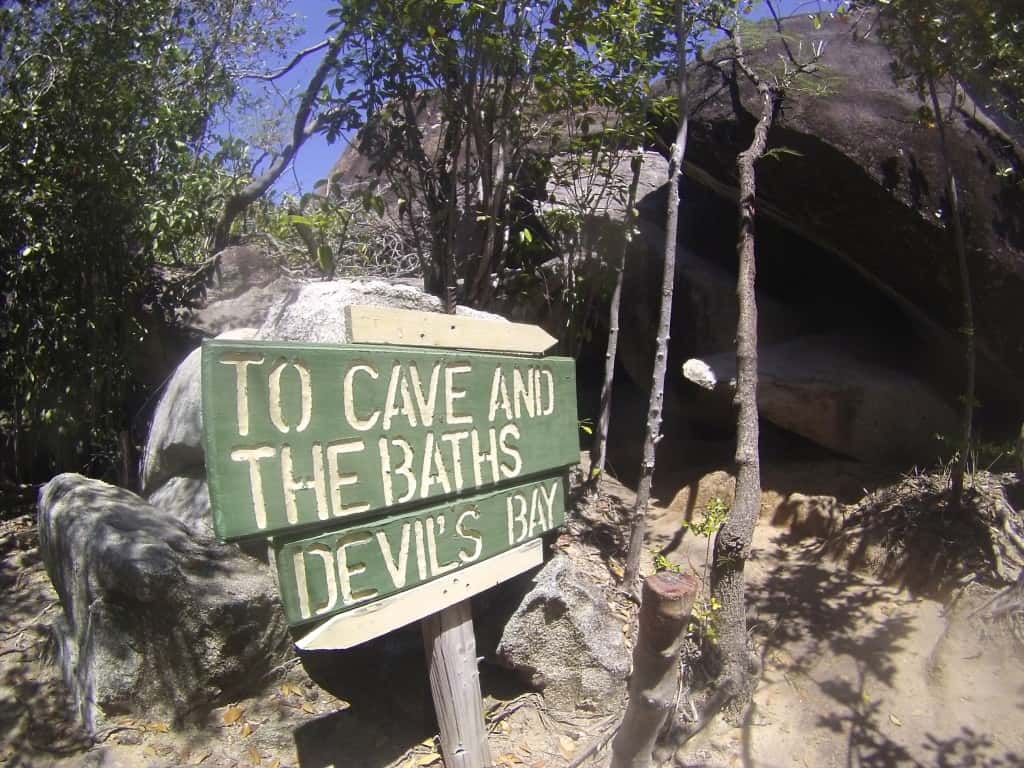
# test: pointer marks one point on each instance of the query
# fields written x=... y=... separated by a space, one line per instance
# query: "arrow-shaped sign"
x=384 y=325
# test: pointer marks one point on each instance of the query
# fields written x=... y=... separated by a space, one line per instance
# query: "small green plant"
x=982 y=456
x=662 y=563
x=715 y=511
x=704 y=615
x=704 y=619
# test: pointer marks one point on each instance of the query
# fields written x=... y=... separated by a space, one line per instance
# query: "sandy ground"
x=855 y=673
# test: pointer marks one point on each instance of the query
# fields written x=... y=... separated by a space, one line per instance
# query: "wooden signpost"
x=394 y=481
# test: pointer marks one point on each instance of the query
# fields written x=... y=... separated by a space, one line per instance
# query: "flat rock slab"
x=819 y=388
x=156 y=620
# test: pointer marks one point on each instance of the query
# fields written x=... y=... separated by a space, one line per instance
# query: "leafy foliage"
x=979 y=42
x=462 y=97
x=346 y=234
x=109 y=165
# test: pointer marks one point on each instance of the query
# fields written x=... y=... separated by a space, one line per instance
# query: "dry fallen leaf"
x=158 y=727
x=308 y=708
x=427 y=759
x=566 y=746
x=275 y=763
x=254 y=755
x=428 y=742
x=246 y=730
x=509 y=759
x=232 y=713
x=290 y=689
x=199 y=757
x=895 y=720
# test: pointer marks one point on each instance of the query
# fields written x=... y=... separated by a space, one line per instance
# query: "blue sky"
x=316 y=156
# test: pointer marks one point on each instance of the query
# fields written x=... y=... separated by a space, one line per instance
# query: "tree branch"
x=251 y=75
x=302 y=130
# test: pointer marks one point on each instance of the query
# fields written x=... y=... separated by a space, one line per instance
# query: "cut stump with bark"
x=664 y=611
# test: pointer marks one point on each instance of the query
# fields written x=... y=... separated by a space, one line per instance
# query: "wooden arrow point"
x=386 y=325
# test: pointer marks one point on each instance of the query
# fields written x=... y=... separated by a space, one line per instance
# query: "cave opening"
x=804 y=291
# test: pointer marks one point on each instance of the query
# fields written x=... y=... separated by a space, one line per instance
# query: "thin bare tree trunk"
x=654 y=411
x=967 y=412
x=732 y=544
x=599 y=450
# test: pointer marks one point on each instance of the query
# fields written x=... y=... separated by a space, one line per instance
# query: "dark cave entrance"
x=804 y=290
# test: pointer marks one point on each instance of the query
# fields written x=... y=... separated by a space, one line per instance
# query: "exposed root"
x=907 y=534
x=605 y=732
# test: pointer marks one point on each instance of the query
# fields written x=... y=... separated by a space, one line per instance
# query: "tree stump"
x=664 y=611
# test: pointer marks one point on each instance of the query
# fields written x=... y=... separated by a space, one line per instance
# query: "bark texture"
x=654 y=412
x=302 y=129
x=599 y=451
x=732 y=544
x=967 y=412
x=667 y=601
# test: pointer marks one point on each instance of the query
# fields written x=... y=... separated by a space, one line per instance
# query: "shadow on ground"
x=849 y=638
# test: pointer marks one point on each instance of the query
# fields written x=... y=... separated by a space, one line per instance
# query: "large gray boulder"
x=602 y=193
x=155 y=619
x=175 y=444
x=563 y=638
x=865 y=182
x=246 y=283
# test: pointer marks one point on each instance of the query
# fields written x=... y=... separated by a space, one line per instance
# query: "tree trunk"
x=654 y=411
x=599 y=450
x=732 y=544
x=667 y=601
x=967 y=413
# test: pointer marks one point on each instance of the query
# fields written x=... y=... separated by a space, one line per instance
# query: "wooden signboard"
x=394 y=482
x=333 y=572
x=302 y=436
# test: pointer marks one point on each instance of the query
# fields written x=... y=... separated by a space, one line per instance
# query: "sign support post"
x=449 y=643
x=455 y=686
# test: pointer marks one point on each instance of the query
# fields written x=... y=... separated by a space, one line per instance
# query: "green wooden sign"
x=303 y=436
x=362 y=563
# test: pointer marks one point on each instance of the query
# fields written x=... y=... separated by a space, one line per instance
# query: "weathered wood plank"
x=386 y=325
x=455 y=685
x=366 y=622
x=363 y=562
x=301 y=436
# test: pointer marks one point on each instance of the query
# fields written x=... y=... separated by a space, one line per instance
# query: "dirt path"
x=854 y=675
